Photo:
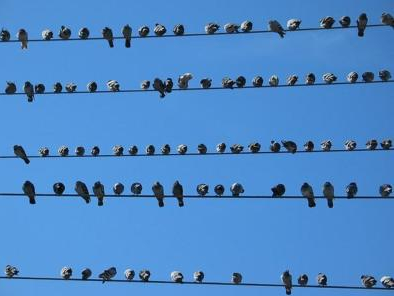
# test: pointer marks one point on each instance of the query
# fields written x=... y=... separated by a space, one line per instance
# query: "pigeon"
x=350 y=145
x=118 y=188
x=118 y=150
x=57 y=87
x=22 y=37
x=150 y=150
x=368 y=281
x=182 y=149
x=58 y=188
x=310 y=79
x=258 y=81
x=47 y=34
x=113 y=85
x=158 y=192
x=236 y=148
x=328 y=192
x=177 y=191
x=145 y=84
x=29 y=190
x=274 y=80
x=309 y=146
x=362 y=24
x=231 y=28
x=160 y=30
x=278 y=190
x=303 y=280
x=254 y=147
x=63 y=151
x=274 y=26
x=206 y=83
x=144 y=275
x=219 y=190
x=240 y=81
x=292 y=79
x=66 y=273
x=29 y=91
x=385 y=190
x=352 y=77
x=159 y=86
x=20 y=152
x=211 y=28
x=143 y=31
x=321 y=279
x=384 y=75
x=198 y=276
x=80 y=151
x=11 y=271
x=221 y=147
x=290 y=146
x=293 y=24
x=95 y=151
x=307 y=191
x=387 y=282
x=246 y=26
x=64 y=33
x=5 y=35
x=86 y=274
x=287 y=281
x=202 y=149
x=227 y=82
x=386 y=144
x=326 y=145
x=351 y=190
x=168 y=85
x=126 y=32
x=368 y=76
x=371 y=144
x=39 y=88
x=183 y=80
x=179 y=30
x=327 y=22
x=345 y=21
x=82 y=190
x=177 y=277
x=98 y=190
x=43 y=151
x=10 y=88
x=329 y=78
x=136 y=188
x=129 y=274
x=237 y=189
x=107 y=274
x=133 y=150
x=71 y=87
x=166 y=149
x=92 y=86
x=236 y=278
x=84 y=33
x=202 y=189
x=275 y=146
x=108 y=35
x=387 y=19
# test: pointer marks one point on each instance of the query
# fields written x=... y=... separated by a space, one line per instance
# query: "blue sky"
x=260 y=238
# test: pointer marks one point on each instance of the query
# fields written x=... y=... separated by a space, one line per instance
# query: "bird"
x=118 y=150
x=307 y=191
x=254 y=147
x=64 y=33
x=11 y=271
x=183 y=80
x=107 y=274
x=71 y=87
x=10 y=88
x=63 y=151
x=368 y=281
x=165 y=149
x=158 y=191
x=326 y=145
x=387 y=19
x=274 y=80
x=136 y=188
x=384 y=75
x=219 y=190
x=160 y=30
x=275 y=146
x=386 y=144
x=39 y=88
x=387 y=281
x=202 y=189
x=211 y=28
x=352 y=77
x=84 y=33
x=240 y=81
x=329 y=78
x=303 y=280
x=179 y=30
x=118 y=188
x=221 y=147
x=278 y=190
x=113 y=85
x=182 y=149
x=108 y=35
x=98 y=191
x=236 y=278
x=95 y=151
x=198 y=276
x=345 y=21
x=159 y=86
x=206 y=83
x=133 y=150
x=20 y=152
x=321 y=279
x=287 y=281
x=143 y=31
x=371 y=144
x=168 y=85
x=290 y=146
x=86 y=273
x=126 y=32
x=236 y=148
x=309 y=146
x=144 y=275
x=368 y=76
x=29 y=91
x=57 y=87
x=177 y=277
x=293 y=24
x=66 y=273
x=80 y=151
x=92 y=86
x=258 y=81
x=351 y=190
x=350 y=145
x=202 y=149
x=129 y=274
x=275 y=26
x=310 y=78
x=227 y=82
x=150 y=150
x=29 y=190
x=43 y=151
x=236 y=189
x=177 y=191
x=292 y=79
x=231 y=28
x=58 y=188
x=385 y=190
x=328 y=192
x=246 y=26
x=82 y=190
x=145 y=84
x=23 y=38
x=5 y=35
x=47 y=34
x=362 y=22
x=327 y=22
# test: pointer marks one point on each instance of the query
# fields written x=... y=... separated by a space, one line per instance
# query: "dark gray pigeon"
x=231 y=28
x=84 y=33
x=274 y=80
x=160 y=30
x=385 y=190
x=144 y=275
x=287 y=281
x=71 y=87
x=326 y=145
x=386 y=144
x=350 y=145
x=275 y=146
x=63 y=151
x=303 y=280
x=95 y=151
x=126 y=32
x=182 y=149
x=240 y=81
x=368 y=281
x=58 y=188
x=329 y=78
x=211 y=28
x=98 y=190
x=202 y=149
x=327 y=22
x=168 y=85
x=246 y=26
x=384 y=75
x=82 y=190
x=387 y=19
x=309 y=146
x=236 y=278
x=275 y=26
x=237 y=189
x=321 y=279
x=133 y=150
x=47 y=34
x=66 y=273
x=254 y=147
x=227 y=82
x=221 y=147
x=293 y=24
x=310 y=78
x=371 y=144
x=183 y=80
x=351 y=190
x=177 y=191
x=290 y=146
x=362 y=22
x=328 y=192
x=92 y=86
x=345 y=21
x=307 y=191
x=20 y=152
x=202 y=189
x=80 y=151
x=278 y=190
x=136 y=188
x=368 y=76
x=113 y=85
x=166 y=149
x=352 y=77
x=11 y=271
x=86 y=274
x=108 y=274
x=158 y=191
x=118 y=150
x=179 y=30
x=64 y=33
x=236 y=148
x=28 y=88
x=129 y=274
x=258 y=81
x=150 y=150
x=5 y=35
x=43 y=151
x=10 y=88
x=143 y=31
x=145 y=84
x=29 y=190
x=219 y=190
x=39 y=88
x=159 y=86
x=118 y=188
x=198 y=276
x=292 y=79
x=108 y=35
x=23 y=38
x=57 y=87
x=177 y=277
x=206 y=83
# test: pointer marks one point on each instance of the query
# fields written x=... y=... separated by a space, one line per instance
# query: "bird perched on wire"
x=303 y=280
x=5 y=35
x=143 y=31
x=63 y=151
x=292 y=79
x=371 y=144
x=159 y=86
x=275 y=146
x=328 y=192
x=352 y=77
x=82 y=190
x=386 y=144
x=275 y=26
x=29 y=190
x=290 y=146
x=118 y=188
x=321 y=279
x=236 y=278
x=47 y=34
x=177 y=277
x=362 y=22
x=11 y=271
x=287 y=281
x=326 y=145
x=350 y=145
x=57 y=87
x=136 y=188
x=23 y=38
x=84 y=33
x=293 y=24
x=108 y=35
x=10 y=88
x=126 y=32
x=165 y=149
x=351 y=190
x=368 y=76
x=228 y=82
x=144 y=275
x=309 y=146
x=43 y=151
x=236 y=148
x=86 y=273
x=66 y=273
x=58 y=188
x=182 y=149
x=384 y=75
x=387 y=281
x=310 y=79
x=329 y=78
x=219 y=190
x=387 y=19
x=246 y=26
x=177 y=191
x=345 y=21
x=150 y=150
x=254 y=147
x=258 y=81
x=385 y=190
x=368 y=281
x=273 y=81
x=211 y=28
x=133 y=150
x=118 y=150
x=168 y=85
x=237 y=189
x=107 y=274
x=95 y=151
x=231 y=28
x=278 y=190
x=179 y=30
x=327 y=22
x=206 y=83
x=183 y=80
x=71 y=87
x=198 y=276
x=129 y=274
x=145 y=84
x=64 y=33
x=158 y=191
x=20 y=152
x=80 y=151
x=307 y=191
x=39 y=88
x=240 y=81
x=113 y=85
x=92 y=86
x=221 y=147
x=98 y=191
x=160 y=30
x=202 y=149
x=28 y=88
x=202 y=189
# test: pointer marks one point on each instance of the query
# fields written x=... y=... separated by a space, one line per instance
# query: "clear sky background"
x=258 y=238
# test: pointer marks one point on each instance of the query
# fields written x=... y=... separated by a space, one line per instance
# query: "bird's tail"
x=100 y=202
x=311 y=202
x=282 y=34
x=349 y=195
x=128 y=43
x=111 y=43
x=26 y=160
x=180 y=202
x=330 y=203
x=32 y=200
x=161 y=202
x=288 y=291
x=87 y=199
x=360 y=32
x=24 y=45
